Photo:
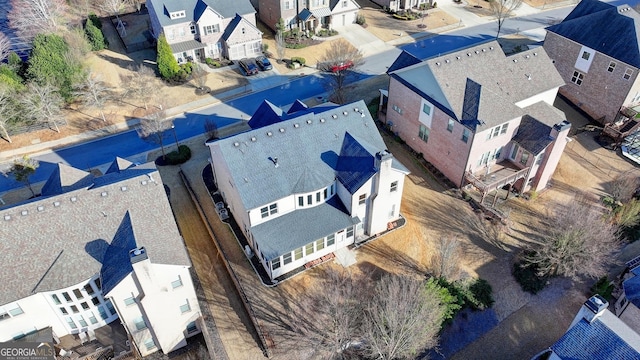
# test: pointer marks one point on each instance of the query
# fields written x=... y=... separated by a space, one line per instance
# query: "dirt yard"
x=386 y=28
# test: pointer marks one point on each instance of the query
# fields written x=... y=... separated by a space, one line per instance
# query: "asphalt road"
x=128 y=144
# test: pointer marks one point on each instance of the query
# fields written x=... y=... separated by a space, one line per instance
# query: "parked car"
x=248 y=67
x=341 y=66
x=263 y=63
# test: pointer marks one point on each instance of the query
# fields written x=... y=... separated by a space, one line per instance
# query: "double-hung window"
x=577 y=78
x=424 y=133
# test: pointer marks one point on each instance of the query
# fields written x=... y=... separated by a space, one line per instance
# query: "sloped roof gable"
x=266 y=114
x=66 y=178
x=356 y=165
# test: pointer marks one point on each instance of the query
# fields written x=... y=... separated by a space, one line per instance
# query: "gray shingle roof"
x=632 y=288
x=319 y=221
x=503 y=80
x=195 y=8
x=266 y=114
x=608 y=29
x=48 y=247
x=534 y=132
x=594 y=341
x=118 y=165
x=310 y=141
x=186 y=46
x=66 y=178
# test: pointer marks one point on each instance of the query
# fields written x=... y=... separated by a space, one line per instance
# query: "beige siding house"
x=311 y=15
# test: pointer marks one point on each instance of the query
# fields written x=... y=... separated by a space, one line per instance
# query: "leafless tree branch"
x=32 y=17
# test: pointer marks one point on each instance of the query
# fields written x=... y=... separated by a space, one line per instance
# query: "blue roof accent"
x=305 y=14
x=231 y=27
x=66 y=178
x=471 y=102
x=116 y=264
x=533 y=135
x=632 y=290
x=402 y=61
x=355 y=165
x=424 y=95
x=610 y=31
x=297 y=106
x=118 y=165
x=266 y=114
x=593 y=341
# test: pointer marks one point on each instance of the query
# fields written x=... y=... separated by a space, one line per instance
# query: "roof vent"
x=477 y=52
x=447 y=61
x=253 y=139
x=356 y=109
x=535 y=54
x=56 y=203
x=345 y=113
x=309 y=122
x=246 y=180
x=296 y=125
x=334 y=116
x=437 y=63
x=104 y=194
x=138 y=254
x=490 y=47
x=24 y=212
x=468 y=54
x=143 y=182
x=236 y=144
x=73 y=199
x=457 y=57
x=281 y=130
x=40 y=208
x=7 y=217
x=515 y=60
x=483 y=49
x=321 y=120
x=269 y=133
x=274 y=161
x=123 y=188
x=362 y=114
x=528 y=76
x=527 y=56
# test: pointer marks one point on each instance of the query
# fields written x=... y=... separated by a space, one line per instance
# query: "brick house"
x=478 y=116
x=308 y=14
x=306 y=184
x=596 y=50
x=197 y=29
x=92 y=251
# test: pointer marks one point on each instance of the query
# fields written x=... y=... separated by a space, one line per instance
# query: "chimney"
x=138 y=254
x=591 y=310
x=383 y=157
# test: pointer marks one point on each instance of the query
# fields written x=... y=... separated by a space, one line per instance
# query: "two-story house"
x=196 y=29
x=306 y=184
x=596 y=50
x=93 y=250
x=309 y=14
x=479 y=116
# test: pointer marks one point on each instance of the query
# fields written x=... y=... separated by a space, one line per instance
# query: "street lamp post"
x=175 y=137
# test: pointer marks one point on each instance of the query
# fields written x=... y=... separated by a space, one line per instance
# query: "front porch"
x=496 y=177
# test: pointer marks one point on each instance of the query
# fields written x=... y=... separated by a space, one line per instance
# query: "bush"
x=360 y=19
x=265 y=47
x=299 y=60
x=95 y=36
x=212 y=63
x=167 y=63
x=326 y=33
x=95 y=20
x=179 y=157
x=527 y=277
x=482 y=293
x=603 y=287
x=187 y=68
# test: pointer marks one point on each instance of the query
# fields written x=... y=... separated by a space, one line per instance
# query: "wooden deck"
x=500 y=174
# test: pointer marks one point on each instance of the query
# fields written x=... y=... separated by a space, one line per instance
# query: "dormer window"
x=177 y=14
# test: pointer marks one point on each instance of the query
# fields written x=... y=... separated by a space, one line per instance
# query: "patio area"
x=495 y=178
x=111 y=338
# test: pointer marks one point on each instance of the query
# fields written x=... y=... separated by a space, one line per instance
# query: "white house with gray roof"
x=479 y=116
x=91 y=250
x=197 y=29
x=308 y=183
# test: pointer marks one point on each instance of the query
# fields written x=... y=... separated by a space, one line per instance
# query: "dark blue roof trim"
x=402 y=61
x=116 y=264
x=593 y=341
x=355 y=164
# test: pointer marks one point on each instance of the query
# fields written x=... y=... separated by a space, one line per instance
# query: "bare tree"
x=78 y=45
x=502 y=9
x=338 y=59
x=5 y=46
x=403 y=317
x=152 y=128
x=32 y=17
x=94 y=93
x=445 y=258
x=42 y=104
x=141 y=85
x=623 y=187
x=211 y=129
x=327 y=320
x=280 y=45
x=199 y=76
x=7 y=110
x=113 y=7
x=23 y=168
x=579 y=243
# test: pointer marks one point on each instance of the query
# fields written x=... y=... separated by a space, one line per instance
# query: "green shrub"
x=187 y=68
x=603 y=287
x=265 y=47
x=450 y=301
x=435 y=4
x=360 y=19
x=179 y=157
x=95 y=20
x=482 y=293
x=527 y=277
x=295 y=45
x=95 y=36
x=167 y=63
x=299 y=60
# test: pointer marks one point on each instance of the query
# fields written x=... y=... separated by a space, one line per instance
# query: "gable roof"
x=605 y=28
x=116 y=264
x=309 y=141
x=231 y=30
x=356 y=165
x=195 y=8
x=501 y=81
x=533 y=135
x=119 y=165
x=66 y=178
x=402 y=61
x=67 y=235
x=598 y=340
x=297 y=106
x=266 y=114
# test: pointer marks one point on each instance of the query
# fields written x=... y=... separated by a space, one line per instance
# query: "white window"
x=423 y=133
x=275 y=263
x=149 y=344
x=344 y=4
x=426 y=109
x=394 y=187
x=92 y=318
x=397 y=109
x=503 y=129
x=191 y=328
x=176 y=283
x=139 y=323
x=269 y=210
x=514 y=151
x=82 y=321
x=362 y=199
x=297 y=254
x=577 y=78
x=450 y=125
x=192 y=28
x=627 y=74
x=612 y=66
x=287 y=5
x=392 y=213
x=496 y=131
x=129 y=301
x=71 y=323
x=465 y=135
x=66 y=296
x=172 y=34
x=181 y=31
x=585 y=55
x=308 y=249
x=350 y=232
x=211 y=29
x=185 y=307
x=55 y=299
x=524 y=158
x=331 y=239
x=319 y=244
x=15 y=310
x=286 y=258
x=301 y=199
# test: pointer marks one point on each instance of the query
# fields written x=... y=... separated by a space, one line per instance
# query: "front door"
x=340 y=236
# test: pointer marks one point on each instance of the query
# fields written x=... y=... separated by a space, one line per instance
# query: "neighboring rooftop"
x=59 y=240
x=480 y=82
x=194 y=9
x=612 y=30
